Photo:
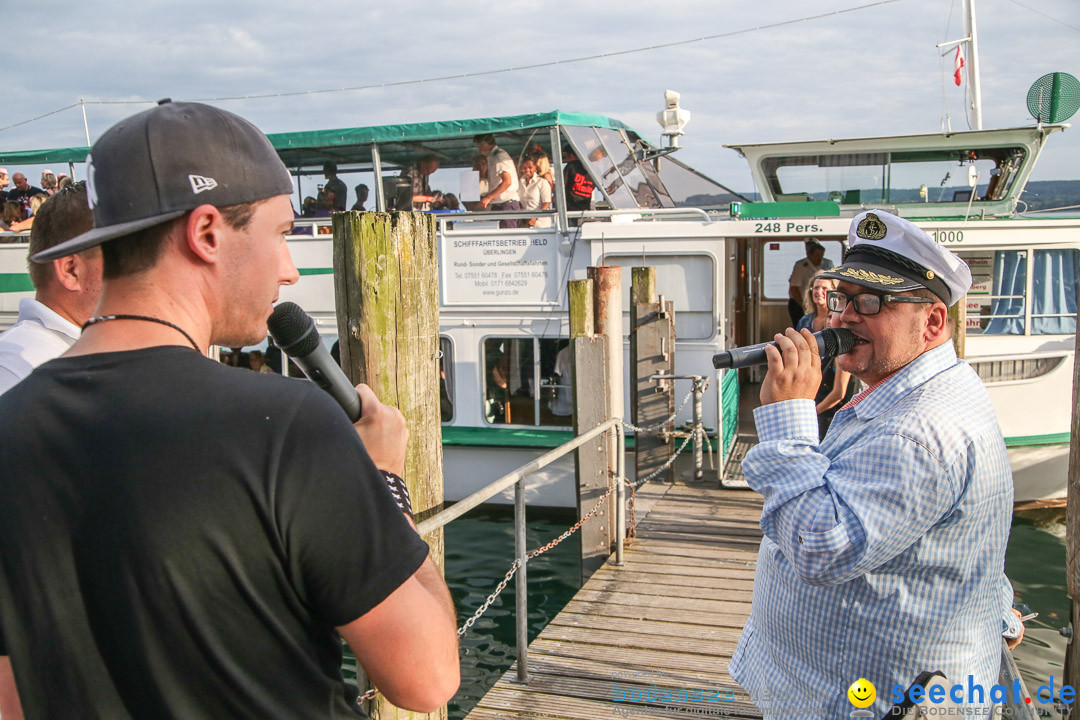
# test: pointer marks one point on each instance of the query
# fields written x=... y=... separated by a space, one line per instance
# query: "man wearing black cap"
x=885 y=540
x=183 y=539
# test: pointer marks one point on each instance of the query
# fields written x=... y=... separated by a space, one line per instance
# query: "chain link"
x=663 y=423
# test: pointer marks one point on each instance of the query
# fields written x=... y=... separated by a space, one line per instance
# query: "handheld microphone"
x=294 y=332
x=830 y=343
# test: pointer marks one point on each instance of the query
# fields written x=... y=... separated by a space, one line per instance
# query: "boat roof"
x=400 y=144
x=907 y=172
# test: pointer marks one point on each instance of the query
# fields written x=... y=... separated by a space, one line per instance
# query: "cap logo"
x=91 y=184
x=867 y=276
x=201 y=184
x=871 y=228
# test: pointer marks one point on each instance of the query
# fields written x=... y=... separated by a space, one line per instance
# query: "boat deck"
x=668 y=620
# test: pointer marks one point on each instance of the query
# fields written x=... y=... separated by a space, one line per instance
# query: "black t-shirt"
x=178 y=539
x=579 y=186
x=336 y=186
x=23 y=196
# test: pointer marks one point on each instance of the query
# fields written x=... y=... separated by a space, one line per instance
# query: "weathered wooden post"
x=652 y=352
x=608 y=319
x=1072 y=526
x=958 y=314
x=588 y=352
x=386 y=288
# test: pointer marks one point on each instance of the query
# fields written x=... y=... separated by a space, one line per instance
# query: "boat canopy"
x=980 y=172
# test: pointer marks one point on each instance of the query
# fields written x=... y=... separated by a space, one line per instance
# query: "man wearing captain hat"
x=885 y=540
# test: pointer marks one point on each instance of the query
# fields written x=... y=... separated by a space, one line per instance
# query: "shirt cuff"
x=786 y=420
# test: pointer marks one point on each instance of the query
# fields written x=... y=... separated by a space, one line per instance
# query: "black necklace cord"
x=144 y=318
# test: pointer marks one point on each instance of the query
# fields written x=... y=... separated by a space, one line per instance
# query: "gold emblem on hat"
x=867 y=276
x=871 y=228
x=929 y=274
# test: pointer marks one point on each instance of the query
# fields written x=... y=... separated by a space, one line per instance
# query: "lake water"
x=480 y=548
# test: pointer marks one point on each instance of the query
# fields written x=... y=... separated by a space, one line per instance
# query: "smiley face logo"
x=862 y=693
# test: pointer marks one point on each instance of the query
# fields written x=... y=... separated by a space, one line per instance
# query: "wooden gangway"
x=669 y=618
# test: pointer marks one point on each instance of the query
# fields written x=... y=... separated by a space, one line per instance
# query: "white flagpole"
x=974 y=91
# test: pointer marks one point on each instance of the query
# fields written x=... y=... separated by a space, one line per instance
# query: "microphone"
x=294 y=332
x=830 y=342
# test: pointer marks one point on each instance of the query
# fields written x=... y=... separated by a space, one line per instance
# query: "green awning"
x=401 y=144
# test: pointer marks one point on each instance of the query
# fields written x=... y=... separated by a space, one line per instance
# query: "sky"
x=852 y=73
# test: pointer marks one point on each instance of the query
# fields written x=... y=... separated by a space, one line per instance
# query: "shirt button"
x=800 y=540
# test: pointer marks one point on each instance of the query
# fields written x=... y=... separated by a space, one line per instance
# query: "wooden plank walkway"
x=669 y=618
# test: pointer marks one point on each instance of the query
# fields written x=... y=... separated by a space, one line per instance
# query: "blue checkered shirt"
x=884 y=543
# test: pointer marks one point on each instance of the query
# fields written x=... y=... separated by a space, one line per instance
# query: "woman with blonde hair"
x=836 y=386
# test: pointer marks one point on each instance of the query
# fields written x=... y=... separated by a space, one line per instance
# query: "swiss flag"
x=958 y=65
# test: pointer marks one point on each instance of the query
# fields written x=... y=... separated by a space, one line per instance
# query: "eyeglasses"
x=867 y=303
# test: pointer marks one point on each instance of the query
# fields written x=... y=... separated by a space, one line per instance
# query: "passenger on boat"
x=578 y=183
x=885 y=542
x=48 y=182
x=361 y=198
x=335 y=188
x=535 y=193
x=543 y=164
x=502 y=179
x=63 y=181
x=419 y=175
x=35 y=204
x=836 y=386
x=65 y=290
x=801 y=273
x=212 y=533
x=23 y=190
x=14 y=213
x=5 y=181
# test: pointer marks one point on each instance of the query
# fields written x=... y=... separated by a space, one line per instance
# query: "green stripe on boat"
x=15 y=282
x=316 y=271
x=1029 y=440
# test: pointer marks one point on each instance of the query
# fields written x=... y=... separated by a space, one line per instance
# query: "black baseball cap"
x=159 y=164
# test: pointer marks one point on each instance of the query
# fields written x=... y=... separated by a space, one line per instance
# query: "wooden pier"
x=668 y=620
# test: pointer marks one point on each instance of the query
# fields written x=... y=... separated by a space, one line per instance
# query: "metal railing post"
x=699 y=431
x=521 y=586
x=620 y=493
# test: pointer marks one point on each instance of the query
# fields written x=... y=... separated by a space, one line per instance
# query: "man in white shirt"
x=67 y=289
x=535 y=193
x=502 y=179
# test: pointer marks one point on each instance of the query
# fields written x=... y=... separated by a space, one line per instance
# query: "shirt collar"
x=33 y=311
x=883 y=395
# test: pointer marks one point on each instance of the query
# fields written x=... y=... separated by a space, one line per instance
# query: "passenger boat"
x=723 y=258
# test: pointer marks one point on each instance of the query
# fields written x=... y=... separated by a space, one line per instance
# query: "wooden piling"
x=607 y=308
x=1072 y=526
x=958 y=315
x=590 y=400
x=652 y=352
x=387 y=294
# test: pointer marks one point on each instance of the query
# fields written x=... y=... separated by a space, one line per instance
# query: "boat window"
x=514 y=368
x=446 y=380
x=626 y=163
x=689 y=188
x=998 y=304
x=929 y=176
x=779 y=258
x=595 y=156
x=687 y=280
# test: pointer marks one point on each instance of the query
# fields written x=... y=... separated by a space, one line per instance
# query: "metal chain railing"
x=667 y=421
x=534 y=553
x=633 y=486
